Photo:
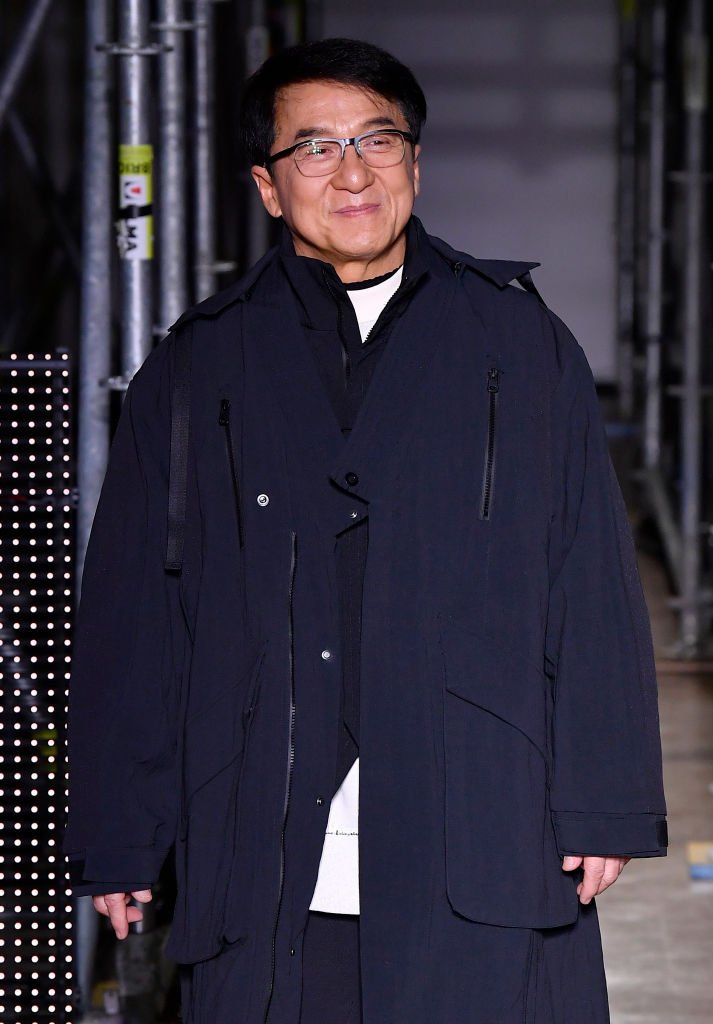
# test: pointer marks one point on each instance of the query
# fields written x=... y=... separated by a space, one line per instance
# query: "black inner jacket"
x=346 y=366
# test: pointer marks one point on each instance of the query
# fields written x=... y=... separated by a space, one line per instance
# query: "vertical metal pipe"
x=94 y=355
x=134 y=120
x=696 y=101
x=21 y=52
x=204 y=150
x=173 y=297
x=95 y=314
x=257 y=44
x=626 y=255
x=655 y=241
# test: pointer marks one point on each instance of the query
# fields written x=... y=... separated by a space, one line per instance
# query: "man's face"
x=355 y=217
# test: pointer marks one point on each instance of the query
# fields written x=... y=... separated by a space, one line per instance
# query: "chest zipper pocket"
x=224 y=422
x=486 y=500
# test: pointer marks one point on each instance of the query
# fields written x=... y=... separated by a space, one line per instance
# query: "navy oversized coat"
x=508 y=700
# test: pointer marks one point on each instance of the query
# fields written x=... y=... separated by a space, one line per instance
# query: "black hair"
x=346 y=61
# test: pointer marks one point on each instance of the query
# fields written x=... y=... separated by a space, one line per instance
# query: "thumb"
x=569 y=863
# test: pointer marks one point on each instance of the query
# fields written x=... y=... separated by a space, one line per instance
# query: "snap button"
x=353 y=515
x=263 y=500
x=292 y=951
x=326 y=655
x=352 y=479
x=319 y=801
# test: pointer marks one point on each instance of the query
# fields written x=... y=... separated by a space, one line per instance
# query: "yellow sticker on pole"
x=134 y=227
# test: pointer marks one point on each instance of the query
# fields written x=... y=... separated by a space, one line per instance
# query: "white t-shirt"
x=337 y=888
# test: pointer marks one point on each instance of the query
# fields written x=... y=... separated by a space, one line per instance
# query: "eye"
x=316 y=149
x=380 y=141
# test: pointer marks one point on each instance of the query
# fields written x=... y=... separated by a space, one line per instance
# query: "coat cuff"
x=610 y=835
x=91 y=872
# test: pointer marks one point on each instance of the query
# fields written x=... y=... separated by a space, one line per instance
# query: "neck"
x=359 y=269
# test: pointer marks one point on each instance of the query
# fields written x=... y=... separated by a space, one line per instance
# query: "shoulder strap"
x=529 y=285
x=178 y=465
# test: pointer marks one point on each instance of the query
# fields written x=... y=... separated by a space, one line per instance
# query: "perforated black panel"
x=36 y=600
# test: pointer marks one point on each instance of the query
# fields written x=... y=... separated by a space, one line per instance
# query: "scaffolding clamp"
x=118 y=383
x=122 y=50
x=172 y=26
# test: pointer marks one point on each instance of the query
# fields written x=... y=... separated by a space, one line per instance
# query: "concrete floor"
x=656 y=924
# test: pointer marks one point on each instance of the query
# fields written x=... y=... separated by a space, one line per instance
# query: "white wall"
x=519 y=154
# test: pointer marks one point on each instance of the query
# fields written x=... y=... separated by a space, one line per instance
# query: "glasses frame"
x=355 y=141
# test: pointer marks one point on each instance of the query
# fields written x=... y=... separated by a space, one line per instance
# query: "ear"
x=416 y=170
x=266 y=187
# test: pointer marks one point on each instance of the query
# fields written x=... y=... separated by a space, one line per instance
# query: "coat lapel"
x=291 y=371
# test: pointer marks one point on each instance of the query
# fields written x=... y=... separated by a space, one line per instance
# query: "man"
x=394 y=701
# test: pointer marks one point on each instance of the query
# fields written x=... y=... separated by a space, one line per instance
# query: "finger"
x=119 y=913
x=100 y=905
x=570 y=863
x=611 y=873
x=593 y=872
x=143 y=895
x=613 y=868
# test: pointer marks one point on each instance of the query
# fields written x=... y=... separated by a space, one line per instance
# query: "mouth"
x=357 y=211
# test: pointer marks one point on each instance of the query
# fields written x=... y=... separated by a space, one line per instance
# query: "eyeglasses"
x=384 y=147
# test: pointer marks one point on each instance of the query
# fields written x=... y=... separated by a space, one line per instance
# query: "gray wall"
x=519 y=154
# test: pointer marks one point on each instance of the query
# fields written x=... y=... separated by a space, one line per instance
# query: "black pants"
x=331 y=985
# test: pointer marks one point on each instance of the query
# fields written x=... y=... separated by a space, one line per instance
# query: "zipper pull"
x=493 y=380
x=224 y=417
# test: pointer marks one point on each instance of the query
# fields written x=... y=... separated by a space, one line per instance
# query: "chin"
x=366 y=245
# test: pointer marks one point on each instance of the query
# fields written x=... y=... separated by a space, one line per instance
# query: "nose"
x=352 y=174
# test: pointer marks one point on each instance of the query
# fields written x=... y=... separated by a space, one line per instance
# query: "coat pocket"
x=502 y=865
x=216 y=745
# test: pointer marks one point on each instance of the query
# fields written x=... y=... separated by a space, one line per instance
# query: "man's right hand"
x=114 y=905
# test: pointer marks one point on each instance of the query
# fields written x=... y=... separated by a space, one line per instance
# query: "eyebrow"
x=316 y=132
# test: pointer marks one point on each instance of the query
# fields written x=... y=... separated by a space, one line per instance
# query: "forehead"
x=333 y=108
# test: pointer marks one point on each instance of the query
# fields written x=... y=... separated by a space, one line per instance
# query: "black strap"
x=529 y=285
x=178 y=466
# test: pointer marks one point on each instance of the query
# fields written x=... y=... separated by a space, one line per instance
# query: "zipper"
x=224 y=421
x=290 y=764
x=489 y=467
x=248 y=716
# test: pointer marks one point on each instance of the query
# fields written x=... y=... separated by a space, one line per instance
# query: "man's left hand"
x=599 y=873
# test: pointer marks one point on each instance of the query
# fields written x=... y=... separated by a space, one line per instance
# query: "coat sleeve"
x=127 y=662
x=606 y=792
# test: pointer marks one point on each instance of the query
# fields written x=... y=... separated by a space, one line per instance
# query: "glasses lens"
x=382 y=149
x=318 y=157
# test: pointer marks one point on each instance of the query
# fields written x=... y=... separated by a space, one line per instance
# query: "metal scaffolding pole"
x=626 y=255
x=204 y=150
x=172 y=258
x=656 y=488
x=135 y=183
x=655 y=240
x=95 y=314
x=696 y=102
x=94 y=352
x=257 y=47
x=21 y=52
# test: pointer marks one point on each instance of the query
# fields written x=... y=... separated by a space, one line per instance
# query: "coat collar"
x=499 y=272
x=318 y=288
